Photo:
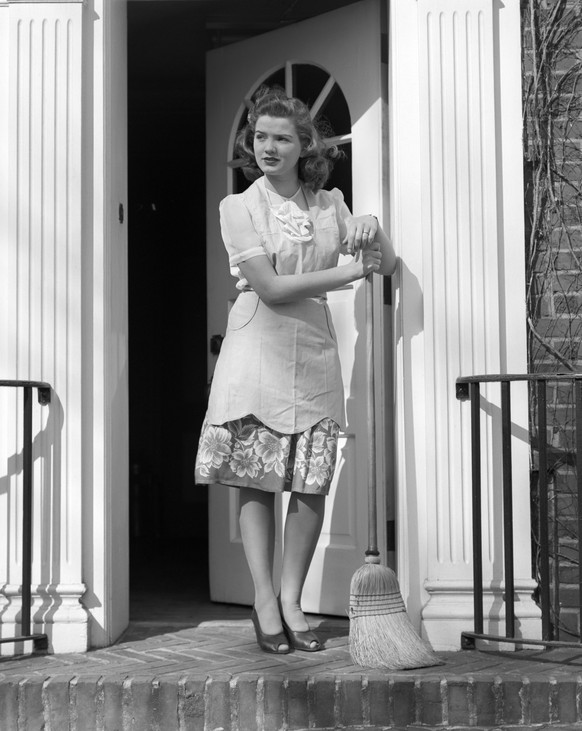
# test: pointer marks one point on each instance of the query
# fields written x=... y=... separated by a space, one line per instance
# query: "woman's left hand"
x=361 y=233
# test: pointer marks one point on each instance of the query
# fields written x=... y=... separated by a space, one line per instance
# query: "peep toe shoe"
x=269 y=643
x=303 y=641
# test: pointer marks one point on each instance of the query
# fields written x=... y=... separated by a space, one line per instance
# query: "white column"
x=457 y=203
x=41 y=315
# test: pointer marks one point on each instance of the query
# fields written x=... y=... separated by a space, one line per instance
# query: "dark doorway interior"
x=167 y=42
x=167 y=305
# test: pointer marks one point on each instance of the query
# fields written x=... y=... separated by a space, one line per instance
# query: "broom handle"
x=372 y=514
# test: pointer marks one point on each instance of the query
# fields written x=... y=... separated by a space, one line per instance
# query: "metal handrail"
x=40 y=641
x=467 y=388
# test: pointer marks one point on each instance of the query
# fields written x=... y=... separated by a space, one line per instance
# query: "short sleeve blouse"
x=243 y=241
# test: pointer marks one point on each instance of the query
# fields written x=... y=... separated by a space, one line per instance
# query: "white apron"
x=280 y=362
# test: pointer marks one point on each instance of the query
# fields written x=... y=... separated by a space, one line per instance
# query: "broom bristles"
x=381 y=634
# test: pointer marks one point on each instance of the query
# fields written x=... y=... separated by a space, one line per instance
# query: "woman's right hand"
x=368 y=261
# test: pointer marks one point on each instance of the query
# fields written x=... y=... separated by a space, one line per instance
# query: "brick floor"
x=213 y=676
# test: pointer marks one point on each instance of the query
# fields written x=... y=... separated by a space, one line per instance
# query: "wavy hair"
x=317 y=159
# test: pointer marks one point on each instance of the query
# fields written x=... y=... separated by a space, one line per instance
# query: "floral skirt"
x=246 y=453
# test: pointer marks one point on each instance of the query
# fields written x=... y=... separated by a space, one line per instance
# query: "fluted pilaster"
x=458 y=219
x=40 y=280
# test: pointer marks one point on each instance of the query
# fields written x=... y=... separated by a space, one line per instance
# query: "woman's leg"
x=302 y=529
x=257 y=527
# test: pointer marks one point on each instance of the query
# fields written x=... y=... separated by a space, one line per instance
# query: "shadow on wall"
x=47 y=514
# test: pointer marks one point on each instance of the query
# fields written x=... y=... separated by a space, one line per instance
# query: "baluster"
x=547 y=633
x=578 y=393
x=26 y=513
x=507 y=508
x=476 y=489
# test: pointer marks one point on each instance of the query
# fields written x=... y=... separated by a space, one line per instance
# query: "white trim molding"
x=56 y=610
x=450 y=607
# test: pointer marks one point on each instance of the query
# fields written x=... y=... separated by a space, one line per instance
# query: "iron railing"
x=40 y=641
x=468 y=388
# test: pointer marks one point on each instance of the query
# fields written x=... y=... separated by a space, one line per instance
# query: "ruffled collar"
x=295 y=223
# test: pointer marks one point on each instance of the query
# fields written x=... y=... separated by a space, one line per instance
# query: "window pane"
x=335 y=111
x=308 y=81
x=341 y=175
x=276 y=79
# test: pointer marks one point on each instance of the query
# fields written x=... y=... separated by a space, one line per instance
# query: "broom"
x=381 y=634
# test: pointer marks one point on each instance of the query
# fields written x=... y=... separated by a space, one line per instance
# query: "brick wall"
x=552 y=63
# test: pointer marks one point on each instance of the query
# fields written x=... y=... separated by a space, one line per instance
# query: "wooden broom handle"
x=372 y=497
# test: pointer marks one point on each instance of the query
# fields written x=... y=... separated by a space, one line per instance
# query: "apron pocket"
x=243 y=311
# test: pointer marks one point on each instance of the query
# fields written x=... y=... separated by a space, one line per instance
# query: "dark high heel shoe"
x=300 y=640
x=269 y=643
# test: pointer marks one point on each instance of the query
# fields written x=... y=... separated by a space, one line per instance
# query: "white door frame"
x=431 y=426
x=106 y=487
x=429 y=140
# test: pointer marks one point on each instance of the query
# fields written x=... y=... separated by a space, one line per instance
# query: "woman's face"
x=277 y=147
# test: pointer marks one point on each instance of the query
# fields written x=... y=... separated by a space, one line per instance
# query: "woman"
x=276 y=403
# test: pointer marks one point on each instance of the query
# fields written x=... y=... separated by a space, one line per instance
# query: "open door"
x=332 y=62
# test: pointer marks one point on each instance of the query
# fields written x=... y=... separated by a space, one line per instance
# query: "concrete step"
x=249 y=702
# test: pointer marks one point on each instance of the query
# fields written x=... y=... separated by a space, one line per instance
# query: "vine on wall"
x=552 y=105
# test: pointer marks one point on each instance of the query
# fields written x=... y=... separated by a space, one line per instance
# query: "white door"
x=344 y=46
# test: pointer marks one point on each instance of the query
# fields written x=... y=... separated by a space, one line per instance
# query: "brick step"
x=416 y=727
x=246 y=702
